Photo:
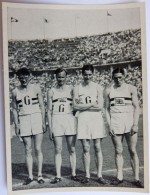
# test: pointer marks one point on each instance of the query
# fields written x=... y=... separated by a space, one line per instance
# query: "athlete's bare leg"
x=99 y=156
x=117 y=141
x=71 y=140
x=38 y=150
x=27 y=140
x=86 y=156
x=132 y=141
x=58 y=158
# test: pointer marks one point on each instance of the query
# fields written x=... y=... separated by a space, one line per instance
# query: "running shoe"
x=102 y=181
x=40 y=180
x=85 y=180
x=28 y=181
x=55 y=180
x=116 y=182
x=138 y=184
x=75 y=178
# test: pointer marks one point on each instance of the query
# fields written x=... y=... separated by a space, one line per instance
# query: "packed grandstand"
x=104 y=51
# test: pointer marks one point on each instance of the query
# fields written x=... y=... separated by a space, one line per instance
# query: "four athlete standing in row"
x=87 y=99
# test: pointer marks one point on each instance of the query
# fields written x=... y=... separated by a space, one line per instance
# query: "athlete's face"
x=61 y=78
x=24 y=80
x=87 y=76
x=118 y=79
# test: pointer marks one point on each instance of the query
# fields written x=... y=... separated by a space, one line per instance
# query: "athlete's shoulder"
x=108 y=89
x=131 y=87
x=69 y=87
x=99 y=86
x=50 y=91
x=76 y=89
x=77 y=85
x=14 y=91
x=35 y=87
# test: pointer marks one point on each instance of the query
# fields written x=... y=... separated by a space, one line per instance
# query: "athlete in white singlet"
x=88 y=101
x=62 y=122
x=29 y=119
x=122 y=113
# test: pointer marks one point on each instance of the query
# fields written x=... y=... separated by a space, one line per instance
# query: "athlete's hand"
x=134 y=130
x=97 y=107
x=17 y=130
x=51 y=136
x=44 y=127
x=111 y=132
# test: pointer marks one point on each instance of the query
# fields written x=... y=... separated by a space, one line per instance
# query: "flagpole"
x=75 y=26
x=108 y=25
x=11 y=28
x=108 y=15
x=12 y=20
x=107 y=22
x=44 y=27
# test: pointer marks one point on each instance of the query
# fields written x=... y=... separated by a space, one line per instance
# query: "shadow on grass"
x=19 y=171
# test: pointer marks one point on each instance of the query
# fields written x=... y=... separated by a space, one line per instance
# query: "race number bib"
x=62 y=102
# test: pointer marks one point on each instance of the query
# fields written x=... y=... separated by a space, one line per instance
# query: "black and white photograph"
x=75 y=89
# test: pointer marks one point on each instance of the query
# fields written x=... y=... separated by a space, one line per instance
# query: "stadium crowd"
x=103 y=77
x=100 y=50
x=75 y=52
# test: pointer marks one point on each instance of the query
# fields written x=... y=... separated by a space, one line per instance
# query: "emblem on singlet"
x=119 y=101
x=27 y=100
x=61 y=108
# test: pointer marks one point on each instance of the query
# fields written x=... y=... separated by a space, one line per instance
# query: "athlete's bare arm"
x=49 y=112
x=107 y=110
x=135 y=103
x=79 y=106
x=100 y=100
x=15 y=112
x=107 y=105
x=41 y=104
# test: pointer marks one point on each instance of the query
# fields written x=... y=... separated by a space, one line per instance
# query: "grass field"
x=19 y=171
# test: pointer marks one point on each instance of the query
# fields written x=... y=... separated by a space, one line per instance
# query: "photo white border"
x=7 y=109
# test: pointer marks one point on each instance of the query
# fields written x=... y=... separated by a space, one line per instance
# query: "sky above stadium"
x=28 y=24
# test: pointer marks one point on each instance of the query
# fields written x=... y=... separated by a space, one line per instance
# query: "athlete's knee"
x=58 y=150
x=86 y=149
x=119 y=150
x=38 y=147
x=72 y=150
x=132 y=151
x=38 y=151
x=97 y=148
x=28 y=151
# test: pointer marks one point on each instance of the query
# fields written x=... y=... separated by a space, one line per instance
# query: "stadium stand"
x=103 y=51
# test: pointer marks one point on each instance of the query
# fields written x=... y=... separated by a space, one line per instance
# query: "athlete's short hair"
x=87 y=67
x=118 y=70
x=58 y=70
x=23 y=71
